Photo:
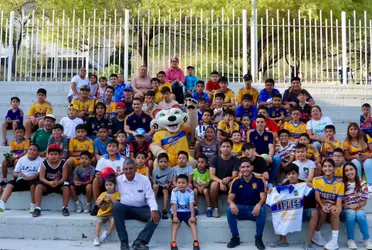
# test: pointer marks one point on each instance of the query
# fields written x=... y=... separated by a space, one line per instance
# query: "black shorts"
x=161 y=188
x=80 y=189
x=49 y=189
x=9 y=126
x=22 y=185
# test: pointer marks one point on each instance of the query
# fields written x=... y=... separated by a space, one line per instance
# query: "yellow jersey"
x=78 y=146
x=19 y=147
x=166 y=84
x=40 y=109
x=312 y=152
x=339 y=172
x=229 y=95
x=329 y=191
x=329 y=148
x=237 y=150
x=224 y=128
x=144 y=171
x=158 y=97
x=108 y=203
x=173 y=142
x=252 y=91
x=295 y=130
x=356 y=149
x=87 y=106
x=110 y=108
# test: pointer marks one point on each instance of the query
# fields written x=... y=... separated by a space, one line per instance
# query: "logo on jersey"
x=266 y=138
x=254 y=185
x=241 y=186
x=295 y=192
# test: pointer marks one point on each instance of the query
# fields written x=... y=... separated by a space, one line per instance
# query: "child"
x=118 y=121
x=229 y=100
x=162 y=83
x=128 y=99
x=141 y=145
x=124 y=148
x=102 y=87
x=285 y=149
x=140 y=158
x=18 y=148
x=329 y=192
x=84 y=103
x=330 y=143
x=110 y=105
x=100 y=143
x=13 y=117
x=190 y=80
x=245 y=127
x=37 y=113
x=162 y=181
x=183 y=202
x=53 y=178
x=338 y=158
x=42 y=135
x=183 y=168
x=93 y=86
x=82 y=181
x=70 y=122
x=155 y=83
x=202 y=181
x=199 y=93
x=303 y=106
x=306 y=166
x=168 y=101
x=277 y=113
x=236 y=138
x=218 y=108
x=312 y=152
x=149 y=105
x=248 y=89
x=365 y=119
x=246 y=108
x=212 y=85
x=202 y=106
x=266 y=94
x=58 y=138
x=295 y=126
x=200 y=129
x=106 y=200
x=209 y=146
x=227 y=125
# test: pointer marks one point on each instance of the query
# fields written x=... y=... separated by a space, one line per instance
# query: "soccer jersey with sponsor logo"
x=287 y=203
x=40 y=109
x=182 y=199
x=295 y=129
x=328 y=147
x=78 y=146
x=354 y=149
x=224 y=128
x=19 y=147
x=329 y=191
x=352 y=196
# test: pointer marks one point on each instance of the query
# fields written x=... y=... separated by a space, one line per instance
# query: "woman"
x=141 y=83
x=97 y=120
x=209 y=146
x=354 y=201
x=176 y=77
x=290 y=95
x=315 y=128
x=76 y=82
x=358 y=150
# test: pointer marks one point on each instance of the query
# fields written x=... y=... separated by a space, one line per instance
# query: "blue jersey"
x=182 y=199
x=101 y=146
x=190 y=82
x=276 y=113
x=118 y=94
x=251 y=112
x=264 y=95
x=197 y=97
x=17 y=115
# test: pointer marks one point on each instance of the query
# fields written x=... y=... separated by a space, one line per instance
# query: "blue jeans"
x=245 y=213
x=317 y=145
x=351 y=217
x=367 y=165
x=275 y=166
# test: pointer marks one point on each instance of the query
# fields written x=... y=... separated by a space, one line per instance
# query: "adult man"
x=223 y=169
x=264 y=142
x=137 y=201
x=270 y=125
x=259 y=164
x=137 y=119
x=246 y=199
x=76 y=82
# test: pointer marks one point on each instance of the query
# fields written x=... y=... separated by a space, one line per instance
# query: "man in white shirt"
x=76 y=82
x=137 y=202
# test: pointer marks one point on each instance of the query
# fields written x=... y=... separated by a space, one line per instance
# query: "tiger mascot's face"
x=169 y=119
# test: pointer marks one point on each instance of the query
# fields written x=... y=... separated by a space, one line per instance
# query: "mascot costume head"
x=172 y=126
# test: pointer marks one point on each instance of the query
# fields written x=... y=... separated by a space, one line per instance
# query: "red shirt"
x=212 y=86
x=270 y=125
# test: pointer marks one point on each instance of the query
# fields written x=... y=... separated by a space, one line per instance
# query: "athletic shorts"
x=185 y=216
x=22 y=185
x=80 y=189
x=57 y=190
x=105 y=219
x=306 y=215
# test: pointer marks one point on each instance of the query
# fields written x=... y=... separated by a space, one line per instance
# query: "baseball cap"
x=140 y=131
x=120 y=104
x=51 y=116
x=73 y=106
x=85 y=87
x=128 y=88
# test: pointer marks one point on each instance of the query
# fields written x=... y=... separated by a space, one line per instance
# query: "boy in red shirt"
x=212 y=85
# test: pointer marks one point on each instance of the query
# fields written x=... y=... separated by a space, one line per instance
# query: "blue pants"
x=318 y=145
x=245 y=213
x=275 y=166
x=367 y=165
x=351 y=217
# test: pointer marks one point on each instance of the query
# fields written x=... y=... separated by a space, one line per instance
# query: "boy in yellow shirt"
x=330 y=143
x=37 y=113
x=248 y=89
x=109 y=103
x=155 y=83
x=236 y=138
x=295 y=126
x=84 y=102
x=140 y=159
x=229 y=100
x=226 y=126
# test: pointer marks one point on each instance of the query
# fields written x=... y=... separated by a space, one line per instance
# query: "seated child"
x=200 y=129
x=218 y=112
x=183 y=210
x=266 y=94
x=312 y=153
x=109 y=103
x=155 y=84
x=295 y=126
x=162 y=177
x=18 y=148
x=163 y=83
x=202 y=181
x=190 y=80
x=306 y=167
x=229 y=100
x=212 y=85
x=330 y=143
x=118 y=120
x=236 y=138
x=124 y=147
x=149 y=105
x=102 y=87
x=100 y=143
x=183 y=168
x=140 y=159
x=168 y=101
x=140 y=144
x=70 y=121
x=338 y=158
x=106 y=201
x=209 y=146
x=304 y=106
x=245 y=127
x=202 y=106
x=82 y=182
x=42 y=135
x=13 y=117
x=53 y=179
x=246 y=108
x=365 y=119
x=277 y=113
x=285 y=149
x=84 y=103
x=60 y=139
x=248 y=89
x=199 y=92
x=227 y=125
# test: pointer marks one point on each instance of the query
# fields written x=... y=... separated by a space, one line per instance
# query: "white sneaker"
x=370 y=188
x=96 y=242
x=318 y=240
x=332 y=244
x=87 y=208
x=2 y=206
x=32 y=208
x=103 y=236
x=79 y=208
x=368 y=244
x=351 y=244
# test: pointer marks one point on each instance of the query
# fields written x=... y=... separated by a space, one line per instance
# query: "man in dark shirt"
x=223 y=169
x=259 y=164
x=246 y=198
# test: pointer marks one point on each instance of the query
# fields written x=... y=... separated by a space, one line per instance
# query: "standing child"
x=190 y=80
x=60 y=139
x=295 y=126
x=365 y=119
x=140 y=158
x=202 y=181
x=183 y=210
x=106 y=202
x=329 y=192
x=330 y=143
x=70 y=121
x=100 y=143
x=183 y=168
x=199 y=92
x=82 y=182
x=248 y=89
x=13 y=117
x=162 y=181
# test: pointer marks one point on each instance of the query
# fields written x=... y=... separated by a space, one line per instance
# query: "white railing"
x=53 y=46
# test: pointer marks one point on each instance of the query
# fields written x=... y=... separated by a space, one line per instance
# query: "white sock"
x=38 y=208
x=209 y=208
x=77 y=202
x=335 y=234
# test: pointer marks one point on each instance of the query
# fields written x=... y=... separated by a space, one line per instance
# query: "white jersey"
x=105 y=162
x=287 y=203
